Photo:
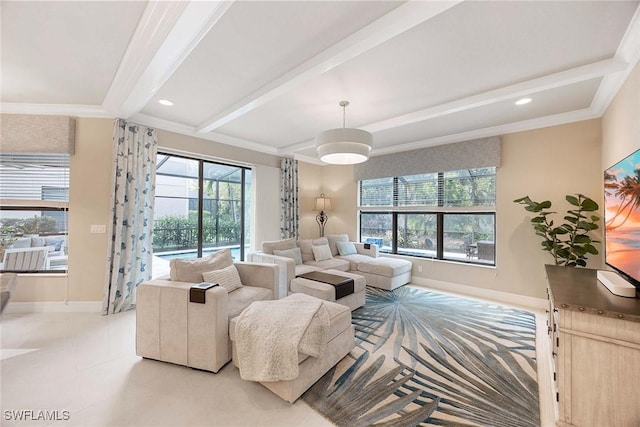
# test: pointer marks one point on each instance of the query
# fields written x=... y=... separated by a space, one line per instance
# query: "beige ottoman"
x=385 y=272
x=341 y=342
x=327 y=292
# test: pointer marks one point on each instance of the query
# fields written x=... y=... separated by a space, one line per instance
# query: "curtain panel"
x=289 y=205
x=131 y=228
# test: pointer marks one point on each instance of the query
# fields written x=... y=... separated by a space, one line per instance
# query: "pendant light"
x=344 y=146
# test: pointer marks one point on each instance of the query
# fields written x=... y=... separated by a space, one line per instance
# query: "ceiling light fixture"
x=166 y=102
x=344 y=146
x=523 y=101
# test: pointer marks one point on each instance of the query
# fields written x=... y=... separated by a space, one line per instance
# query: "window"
x=34 y=189
x=200 y=208
x=446 y=215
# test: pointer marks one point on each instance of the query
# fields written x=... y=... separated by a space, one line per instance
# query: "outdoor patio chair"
x=24 y=259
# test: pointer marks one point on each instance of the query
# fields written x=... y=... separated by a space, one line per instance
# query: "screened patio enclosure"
x=200 y=208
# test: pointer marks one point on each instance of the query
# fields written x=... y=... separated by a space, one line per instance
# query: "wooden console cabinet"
x=596 y=350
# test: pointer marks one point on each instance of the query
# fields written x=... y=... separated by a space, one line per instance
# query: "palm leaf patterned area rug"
x=425 y=358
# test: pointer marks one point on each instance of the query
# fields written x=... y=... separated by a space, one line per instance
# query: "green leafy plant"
x=569 y=243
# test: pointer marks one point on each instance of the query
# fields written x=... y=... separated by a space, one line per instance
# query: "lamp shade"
x=323 y=203
x=344 y=146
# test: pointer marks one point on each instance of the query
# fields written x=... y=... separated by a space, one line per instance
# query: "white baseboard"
x=54 y=307
x=486 y=294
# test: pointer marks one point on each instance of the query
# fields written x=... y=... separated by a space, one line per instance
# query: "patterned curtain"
x=130 y=247
x=290 y=211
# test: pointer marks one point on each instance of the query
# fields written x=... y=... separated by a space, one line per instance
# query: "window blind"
x=42 y=179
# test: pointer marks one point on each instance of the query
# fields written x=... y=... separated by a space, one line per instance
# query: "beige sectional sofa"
x=172 y=329
x=301 y=256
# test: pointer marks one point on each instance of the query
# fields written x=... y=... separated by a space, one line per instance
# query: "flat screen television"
x=622 y=217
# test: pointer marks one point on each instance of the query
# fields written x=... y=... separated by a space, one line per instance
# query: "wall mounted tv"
x=622 y=217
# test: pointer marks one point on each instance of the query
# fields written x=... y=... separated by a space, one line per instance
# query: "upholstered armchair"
x=172 y=329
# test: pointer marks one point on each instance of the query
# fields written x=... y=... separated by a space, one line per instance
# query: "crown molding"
x=76 y=110
x=525 y=125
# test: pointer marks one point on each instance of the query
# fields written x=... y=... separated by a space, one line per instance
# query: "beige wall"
x=621 y=122
x=544 y=164
x=90 y=200
x=336 y=182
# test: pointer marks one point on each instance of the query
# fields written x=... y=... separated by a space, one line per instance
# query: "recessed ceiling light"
x=166 y=102
x=523 y=101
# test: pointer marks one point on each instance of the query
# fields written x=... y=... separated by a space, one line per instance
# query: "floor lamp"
x=322 y=204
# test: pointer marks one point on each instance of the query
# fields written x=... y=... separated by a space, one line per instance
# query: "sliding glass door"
x=200 y=208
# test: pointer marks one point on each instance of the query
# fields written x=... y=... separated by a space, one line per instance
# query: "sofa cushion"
x=243 y=297
x=54 y=242
x=269 y=247
x=335 y=263
x=227 y=277
x=21 y=242
x=37 y=241
x=333 y=241
x=388 y=267
x=321 y=253
x=293 y=253
x=191 y=270
x=346 y=248
x=305 y=246
x=355 y=260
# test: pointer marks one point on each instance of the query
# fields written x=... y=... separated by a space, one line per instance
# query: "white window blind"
x=34 y=179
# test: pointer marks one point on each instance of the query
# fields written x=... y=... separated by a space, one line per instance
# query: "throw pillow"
x=346 y=248
x=37 y=242
x=321 y=253
x=305 y=246
x=190 y=270
x=334 y=239
x=280 y=245
x=227 y=277
x=290 y=253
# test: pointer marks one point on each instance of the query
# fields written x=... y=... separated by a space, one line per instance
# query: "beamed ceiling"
x=268 y=75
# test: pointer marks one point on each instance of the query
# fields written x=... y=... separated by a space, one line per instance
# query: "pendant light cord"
x=344 y=104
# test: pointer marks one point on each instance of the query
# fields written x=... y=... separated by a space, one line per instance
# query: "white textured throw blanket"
x=269 y=335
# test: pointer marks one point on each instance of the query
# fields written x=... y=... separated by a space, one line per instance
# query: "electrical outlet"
x=98 y=229
x=419 y=269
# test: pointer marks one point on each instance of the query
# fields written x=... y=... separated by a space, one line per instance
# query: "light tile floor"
x=86 y=364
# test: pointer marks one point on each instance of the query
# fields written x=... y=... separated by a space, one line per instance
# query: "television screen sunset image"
x=622 y=215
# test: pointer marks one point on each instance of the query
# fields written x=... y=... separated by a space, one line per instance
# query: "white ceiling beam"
x=529 y=87
x=170 y=126
x=628 y=51
x=399 y=20
x=166 y=35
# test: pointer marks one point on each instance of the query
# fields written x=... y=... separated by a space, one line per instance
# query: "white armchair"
x=172 y=329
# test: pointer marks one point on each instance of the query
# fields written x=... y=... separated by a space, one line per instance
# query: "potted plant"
x=569 y=243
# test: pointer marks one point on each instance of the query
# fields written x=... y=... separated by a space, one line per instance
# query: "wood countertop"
x=578 y=289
